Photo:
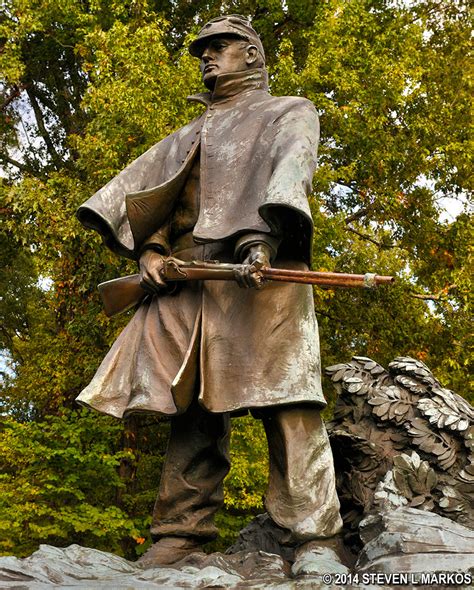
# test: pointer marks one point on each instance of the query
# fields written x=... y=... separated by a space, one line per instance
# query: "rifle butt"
x=119 y=295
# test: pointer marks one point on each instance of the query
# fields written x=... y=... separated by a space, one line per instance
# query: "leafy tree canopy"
x=86 y=87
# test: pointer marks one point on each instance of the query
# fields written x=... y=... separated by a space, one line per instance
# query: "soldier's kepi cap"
x=234 y=25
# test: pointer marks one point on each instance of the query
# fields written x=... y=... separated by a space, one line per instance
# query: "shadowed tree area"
x=86 y=87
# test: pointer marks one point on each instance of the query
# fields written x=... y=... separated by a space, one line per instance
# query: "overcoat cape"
x=240 y=348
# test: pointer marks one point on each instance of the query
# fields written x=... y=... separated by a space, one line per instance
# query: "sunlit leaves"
x=136 y=97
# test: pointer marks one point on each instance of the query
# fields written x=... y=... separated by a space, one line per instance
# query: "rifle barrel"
x=327 y=279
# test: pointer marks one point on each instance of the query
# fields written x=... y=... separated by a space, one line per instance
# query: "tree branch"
x=357 y=215
x=434 y=296
x=42 y=128
x=327 y=315
x=380 y=245
x=10 y=343
x=425 y=297
x=277 y=28
x=12 y=162
x=15 y=93
x=45 y=100
x=351 y=187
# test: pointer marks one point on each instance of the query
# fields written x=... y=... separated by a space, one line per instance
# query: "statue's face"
x=224 y=55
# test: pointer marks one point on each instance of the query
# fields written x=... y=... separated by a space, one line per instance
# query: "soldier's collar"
x=229 y=85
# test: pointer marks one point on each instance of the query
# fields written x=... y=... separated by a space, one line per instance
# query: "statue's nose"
x=205 y=55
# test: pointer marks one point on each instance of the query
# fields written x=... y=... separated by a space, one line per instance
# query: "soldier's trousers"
x=301 y=496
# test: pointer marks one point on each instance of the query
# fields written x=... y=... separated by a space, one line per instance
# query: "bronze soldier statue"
x=231 y=186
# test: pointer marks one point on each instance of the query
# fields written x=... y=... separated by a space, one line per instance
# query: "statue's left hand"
x=248 y=276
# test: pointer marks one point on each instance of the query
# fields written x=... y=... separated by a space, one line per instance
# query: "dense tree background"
x=88 y=85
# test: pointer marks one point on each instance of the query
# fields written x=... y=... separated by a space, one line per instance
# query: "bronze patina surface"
x=230 y=186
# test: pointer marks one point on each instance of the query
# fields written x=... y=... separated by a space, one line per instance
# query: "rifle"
x=121 y=294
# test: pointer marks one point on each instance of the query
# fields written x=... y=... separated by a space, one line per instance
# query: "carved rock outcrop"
x=400 y=439
x=417 y=542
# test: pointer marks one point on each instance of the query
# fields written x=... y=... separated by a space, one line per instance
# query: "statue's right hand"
x=151 y=263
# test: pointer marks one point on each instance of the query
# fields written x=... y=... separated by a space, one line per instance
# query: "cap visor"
x=197 y=47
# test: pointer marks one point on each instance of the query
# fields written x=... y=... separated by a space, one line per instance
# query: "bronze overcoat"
x=243 y=348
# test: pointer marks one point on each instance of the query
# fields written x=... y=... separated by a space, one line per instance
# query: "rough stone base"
x=405 y=541
x=415 y=541
x=81 y=567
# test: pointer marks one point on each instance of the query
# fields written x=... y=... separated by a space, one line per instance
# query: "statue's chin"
x=210 y=81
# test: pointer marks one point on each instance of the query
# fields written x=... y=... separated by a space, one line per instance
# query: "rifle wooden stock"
x=121 y=294
x=124 y=293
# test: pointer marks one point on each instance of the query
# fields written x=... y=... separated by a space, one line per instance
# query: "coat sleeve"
x=294 y=158
x=245 y=242
x=158 y=241
x=106 y=212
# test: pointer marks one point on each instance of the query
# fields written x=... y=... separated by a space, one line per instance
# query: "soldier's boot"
x=329 y=556
x=169 y=550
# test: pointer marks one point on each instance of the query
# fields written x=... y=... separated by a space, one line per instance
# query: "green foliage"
x=59 y=483
x=129 y=100
x=247 y=479
x=88 y=86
